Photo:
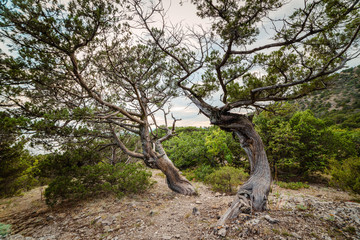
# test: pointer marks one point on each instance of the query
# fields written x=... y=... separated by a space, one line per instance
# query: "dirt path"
x=315 y=213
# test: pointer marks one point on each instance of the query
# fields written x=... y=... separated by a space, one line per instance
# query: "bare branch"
x=123 y=147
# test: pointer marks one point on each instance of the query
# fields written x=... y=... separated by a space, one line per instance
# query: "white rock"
x=270 y=219
x=222 y=232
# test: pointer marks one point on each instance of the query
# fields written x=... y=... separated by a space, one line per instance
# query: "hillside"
x=340 y=102
x=314 y=213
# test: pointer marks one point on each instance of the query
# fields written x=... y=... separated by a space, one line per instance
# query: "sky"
x=185 y=13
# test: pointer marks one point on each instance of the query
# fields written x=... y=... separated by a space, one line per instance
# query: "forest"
x=92 y=83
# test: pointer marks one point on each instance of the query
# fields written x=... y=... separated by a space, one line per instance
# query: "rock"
x=50 y=218
x=16 y=237
x=296 y=235
x=253 y=221
x=217 y=194
x=270 y=219
x=166 y=237
x=195 y=211
x=178 y=236
x=198 y=202
x=108 y=221
x=108 y=229
x=96 y=219
x=222 y=232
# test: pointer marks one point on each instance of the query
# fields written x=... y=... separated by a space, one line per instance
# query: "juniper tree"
x=77 y=73
x=302 y=49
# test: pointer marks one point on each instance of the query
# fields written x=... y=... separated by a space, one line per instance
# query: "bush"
x=195 y=147
x=226 y=179
x=346 y=175
x=5 y=229
x=92 y=180
x=199 y=174
x=16 y=163
x=292 y=185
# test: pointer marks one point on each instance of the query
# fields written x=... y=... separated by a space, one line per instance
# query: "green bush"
x=16 y=163
x=92 y=180
x=292 y=185
x=199 y=173
x=346 y=174
x=226 y=179
x=297 y=143
x=5 y=229
x=67 y=163
x=195 y=147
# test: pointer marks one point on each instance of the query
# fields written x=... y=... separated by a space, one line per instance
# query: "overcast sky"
x=185 y=13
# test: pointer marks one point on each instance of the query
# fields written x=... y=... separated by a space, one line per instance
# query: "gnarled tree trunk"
x=253 y=194
x=157 y=158
x=175 y=181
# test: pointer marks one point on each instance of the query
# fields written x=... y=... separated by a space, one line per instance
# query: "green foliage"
x=16 y=164
x=194 y=147
x=226 y=179
x=299 y=143
x=81 y=172
x=188 y=148
x=338 y=104
x=216 y=145
x=93 y=180
x=346 y=174
x=292 y=185
x=198 y=174
x=68 y=163
x=301 y=207
x=5 y=229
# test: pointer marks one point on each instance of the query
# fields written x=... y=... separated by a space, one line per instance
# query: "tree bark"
x=252 y=195
x=156 y=158
x=175 y=181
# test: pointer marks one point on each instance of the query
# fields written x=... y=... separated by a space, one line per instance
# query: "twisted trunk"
x=174 y=179
x=156 y=158
x=252 y=195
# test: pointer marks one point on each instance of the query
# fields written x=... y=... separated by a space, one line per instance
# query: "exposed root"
x=241 y=204
x=252 y=196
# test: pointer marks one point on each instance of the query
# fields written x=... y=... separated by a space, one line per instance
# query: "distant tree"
x=15 y=160
x=303 y=48
x=76 y=72
x=299 y=144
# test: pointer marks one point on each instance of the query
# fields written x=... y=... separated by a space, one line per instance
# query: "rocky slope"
x=314 y=213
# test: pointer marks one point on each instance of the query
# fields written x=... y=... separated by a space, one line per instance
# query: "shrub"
x=226 y=179
x=92 y=180
x=16 y=163
x=292 y=185
x=346 y=175
x=199 y=173
x=195 y=147
x=17 y=170
x=5 y=229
